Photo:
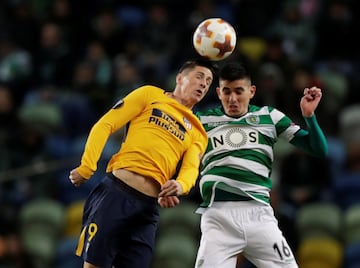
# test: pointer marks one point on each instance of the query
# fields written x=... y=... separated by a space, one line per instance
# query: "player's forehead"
x=201 y=70
x=234 y=84
x=202 y=64
x=198 y=72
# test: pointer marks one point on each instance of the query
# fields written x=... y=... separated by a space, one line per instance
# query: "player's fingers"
x=173 y=201
x=170 y=203
x=162 y=202
x=75 y=183
x=315 y=91
x=176 y=200
x=167 y=192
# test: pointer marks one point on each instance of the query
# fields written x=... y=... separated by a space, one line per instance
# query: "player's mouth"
x=233 y=107
x=199 y=92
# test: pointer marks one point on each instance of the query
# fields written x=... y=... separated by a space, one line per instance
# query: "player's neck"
x=180 y=100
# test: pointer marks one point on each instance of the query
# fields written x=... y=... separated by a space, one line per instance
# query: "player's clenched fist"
x=75 y=178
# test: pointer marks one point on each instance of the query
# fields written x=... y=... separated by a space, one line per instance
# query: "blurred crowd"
x=64 y=63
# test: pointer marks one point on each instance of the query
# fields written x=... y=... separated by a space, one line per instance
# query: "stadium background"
x=64 y=63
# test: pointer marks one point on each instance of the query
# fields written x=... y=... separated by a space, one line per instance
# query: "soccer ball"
x=214 y=39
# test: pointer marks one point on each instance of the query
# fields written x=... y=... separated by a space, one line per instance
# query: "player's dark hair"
x=233 y=71
x=190 y=64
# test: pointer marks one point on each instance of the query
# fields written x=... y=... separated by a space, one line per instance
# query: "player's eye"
x=226 y=91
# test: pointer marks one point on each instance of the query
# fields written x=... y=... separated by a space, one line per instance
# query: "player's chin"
x=197 y=98
x=193 y=101
x=233 y=112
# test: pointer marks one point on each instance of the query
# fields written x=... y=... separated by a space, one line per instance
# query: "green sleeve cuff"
x=312 y=140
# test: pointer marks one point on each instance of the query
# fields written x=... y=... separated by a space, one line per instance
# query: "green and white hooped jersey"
x=238 y=161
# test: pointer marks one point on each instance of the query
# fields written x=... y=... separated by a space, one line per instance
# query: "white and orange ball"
x=214 y=39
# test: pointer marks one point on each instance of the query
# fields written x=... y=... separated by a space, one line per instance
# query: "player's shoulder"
x=266 y=108
x=147 y=93
x=152 y=89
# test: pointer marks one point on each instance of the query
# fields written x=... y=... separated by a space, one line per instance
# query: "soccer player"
x=121 y=213
x=235 y=179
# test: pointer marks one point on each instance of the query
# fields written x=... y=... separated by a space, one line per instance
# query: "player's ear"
x=178 y=78
x=252 y=91
x=218 y=92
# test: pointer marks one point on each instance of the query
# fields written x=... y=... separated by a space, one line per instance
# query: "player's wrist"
x=180 y=189
x=308 y=115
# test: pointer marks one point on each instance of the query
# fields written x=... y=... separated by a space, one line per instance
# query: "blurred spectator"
x=26 y=175
x=297 y=34
x=41 y=110
x=303 y=179
x=202 y=10
x=63 y=62
x=311 y=9
x=9 y=122
x=23 y=25
x=271 y=84
x=96 y=54
x=159 y=45
x=106 y=28
x=126 y=77
x=337 y=26
x=246 y=10
x=12 y=254
x=275 y=53
x=15 y=65
x=336 y=85
x=85 y=83
x=61 y=14
x=132 y=18
x=302 y=76
x=53 y=58
x=346 y=181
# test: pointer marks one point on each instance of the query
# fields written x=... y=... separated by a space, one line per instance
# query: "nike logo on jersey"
x=118 y=104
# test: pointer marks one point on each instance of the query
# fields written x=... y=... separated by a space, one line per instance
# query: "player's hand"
x=171 y=188
x=168 y=201
x=310 y=101
x=75 y=178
